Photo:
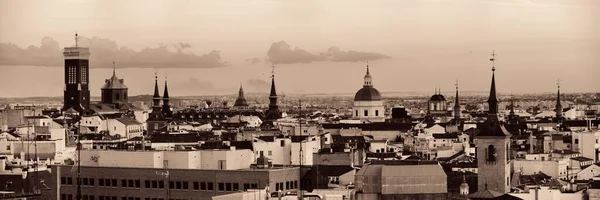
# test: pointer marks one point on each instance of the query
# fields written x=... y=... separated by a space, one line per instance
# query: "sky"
x=211 y=47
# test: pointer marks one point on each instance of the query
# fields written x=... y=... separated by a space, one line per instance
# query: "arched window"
x=491 y=153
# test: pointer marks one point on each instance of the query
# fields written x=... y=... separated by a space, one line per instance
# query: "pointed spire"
x=166 y=92
x=492 y=100
x=273 y=91
x=456 y=102
x=156 y=94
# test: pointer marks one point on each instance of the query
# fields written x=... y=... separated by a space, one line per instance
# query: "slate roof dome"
x=114 y=83
x=367 y=94
x=437 y=97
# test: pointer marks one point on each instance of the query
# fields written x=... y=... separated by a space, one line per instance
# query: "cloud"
x=282 y=53
x=105 y=51
x=337 y=55
x=257 y=85
x=254 y=60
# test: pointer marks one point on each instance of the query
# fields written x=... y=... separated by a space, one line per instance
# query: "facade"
x=76 y=91
x=493 y=149
x=368 y=105
x=104 y=183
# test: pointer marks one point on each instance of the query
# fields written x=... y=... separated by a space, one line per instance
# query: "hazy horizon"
x=211 y=47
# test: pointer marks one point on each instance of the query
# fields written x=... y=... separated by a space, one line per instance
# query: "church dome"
x=367 y=94
x=437 y=97
x=240 y=102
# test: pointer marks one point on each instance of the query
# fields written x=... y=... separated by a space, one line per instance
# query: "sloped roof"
x=114 y=83
x=485 y=194
x=128 y=121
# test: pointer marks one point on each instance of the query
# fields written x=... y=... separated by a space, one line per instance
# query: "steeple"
x=456 y=105
x=156 y=96
x=166 y=107
x=558 y=104
x=492 y=100
x=273 y=113
x=114 y=69
x=368 y=78
x=166 y=92
x=241 y=100
x=241 y=92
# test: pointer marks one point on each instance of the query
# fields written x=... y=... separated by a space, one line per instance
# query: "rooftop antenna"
x=76 y=39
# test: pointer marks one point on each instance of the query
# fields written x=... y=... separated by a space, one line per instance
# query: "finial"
x=76 y=39
x=155 y=74
x=493 y=59
x=114 y=67
x=367 y=67
x=165 y=78
x=456 y=84
x=273 y=71
x=558 y=83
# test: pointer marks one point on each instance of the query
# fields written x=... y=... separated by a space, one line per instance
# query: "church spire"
x=166 y=92
x=492 y=100
x=273 y=93
x=512 y=104
x=559 y=108
x=241 y=92
x=156 y=96
x=456 y=103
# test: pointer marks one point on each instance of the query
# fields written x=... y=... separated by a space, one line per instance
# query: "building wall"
x=262 y=178
x=494 y=174
x=183 y=159
x=279 y=155
x=308 y=149
x=587 y=144
x=375 y=110
x=111 y=158
x=226 y=159
x=381 y=135
x=530 y=167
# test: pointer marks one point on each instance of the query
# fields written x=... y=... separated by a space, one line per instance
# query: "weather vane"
x=493 y=59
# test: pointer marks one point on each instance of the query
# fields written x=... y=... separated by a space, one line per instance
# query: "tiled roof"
x=128 y=121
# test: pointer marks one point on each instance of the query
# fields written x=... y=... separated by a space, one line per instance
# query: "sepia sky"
x=211 y=47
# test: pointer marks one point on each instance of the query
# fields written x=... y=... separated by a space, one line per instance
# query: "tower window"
x=117 y=96
x=376 y=112
x=366 y=113
x=491 y=153
x=356 y=111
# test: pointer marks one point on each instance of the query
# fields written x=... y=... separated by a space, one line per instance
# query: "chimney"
x=531 y=143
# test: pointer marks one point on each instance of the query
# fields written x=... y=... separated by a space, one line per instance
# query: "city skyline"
x=315 y=50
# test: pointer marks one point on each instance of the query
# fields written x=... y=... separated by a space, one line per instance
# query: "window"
x=366 y=113
x=171 y=185
x=114 y=182
x=270 y=153
x=185 y=185
x=228 y=186
x=376 y=112
x=356 y=113
x=282 y=143
x=576 y=141
x=203 y=186
x=246 y=186
x=161 y=184
x=137 y=184
x=178 y=185
x=147 y=184
x=130 y=183
x=195 y=185
x=491 y=153
x=210 y=186
x=101 y=182
x=221 y=186
x=117 y=97
x=123 y=183
x=154 y=184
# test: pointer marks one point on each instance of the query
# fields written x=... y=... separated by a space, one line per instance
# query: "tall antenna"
x=78 y=197
x=300 y=195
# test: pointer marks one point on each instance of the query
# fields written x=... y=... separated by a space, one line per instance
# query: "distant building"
x=156 y=123
x=368 y=105
x=241 y=102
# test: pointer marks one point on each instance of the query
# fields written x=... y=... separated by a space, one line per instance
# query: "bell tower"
x=493 y=147
x=76 y=91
